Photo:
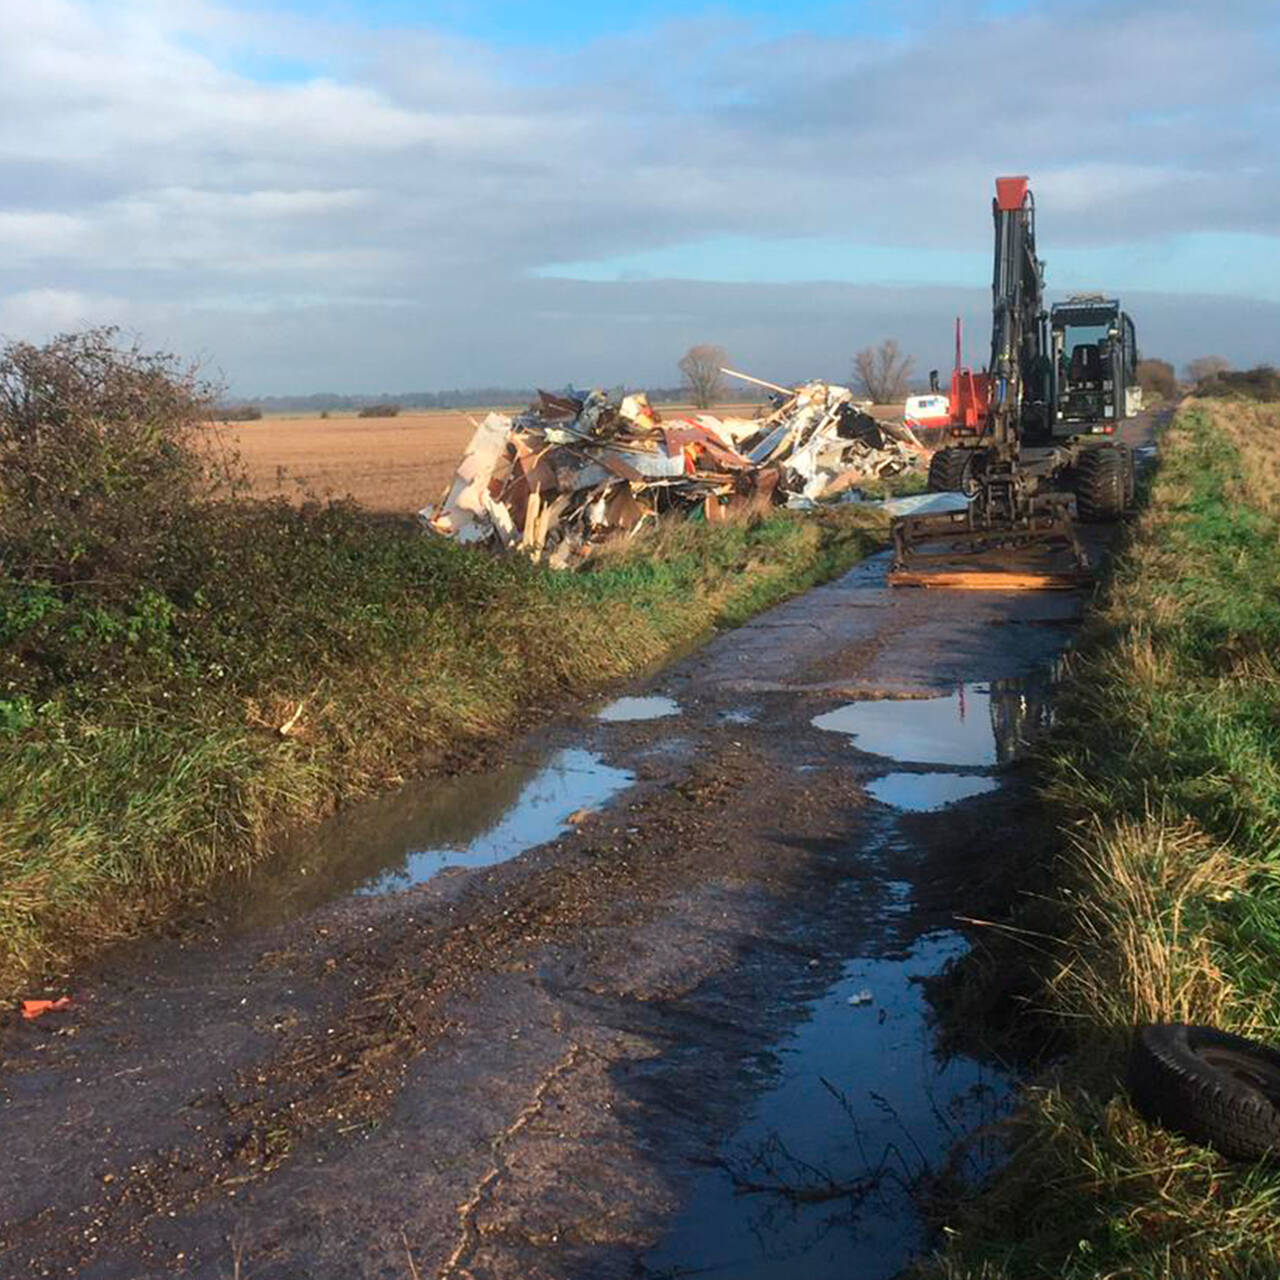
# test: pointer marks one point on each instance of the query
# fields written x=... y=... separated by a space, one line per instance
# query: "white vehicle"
x=928 y=415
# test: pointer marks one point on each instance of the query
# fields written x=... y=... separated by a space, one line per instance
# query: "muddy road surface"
x=638 y=1000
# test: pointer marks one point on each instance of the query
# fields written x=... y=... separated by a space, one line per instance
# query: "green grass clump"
x=277 y=661
x=184 y=672
x=1162 y=902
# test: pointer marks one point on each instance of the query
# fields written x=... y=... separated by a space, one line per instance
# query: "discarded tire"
x=1101 y=483
x=950 y=470
x=1218 y=1089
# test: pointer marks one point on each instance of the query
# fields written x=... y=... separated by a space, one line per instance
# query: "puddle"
x=647 y=708
x=978 y=724
x=858 y=1090
x=739 y=715
x=927 y=792
x=403 y=838
x=571 y=780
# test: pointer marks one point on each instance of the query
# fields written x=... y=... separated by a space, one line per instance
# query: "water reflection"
x=927 y=792
x=976 y=725
x=571 y=780
x=817 y=1180
x=405 y=837
x=652 y=707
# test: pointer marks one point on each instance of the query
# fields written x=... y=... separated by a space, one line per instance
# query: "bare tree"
x=701 y=368
x=883 y=371
x=1206 y=366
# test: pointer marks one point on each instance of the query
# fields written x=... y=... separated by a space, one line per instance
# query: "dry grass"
x=387 y=464
x=1254 y=430
x=1139 y=952
x=1165 y=770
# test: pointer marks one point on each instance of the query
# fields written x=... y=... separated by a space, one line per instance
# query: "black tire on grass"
x=1215 y=1088
x=950 y=470
x=1100 y=483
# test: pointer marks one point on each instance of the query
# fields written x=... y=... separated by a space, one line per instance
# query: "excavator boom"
x=1013 y=506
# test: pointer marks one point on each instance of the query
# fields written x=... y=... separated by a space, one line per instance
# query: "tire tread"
x=948 y=469
x=1173 y=1086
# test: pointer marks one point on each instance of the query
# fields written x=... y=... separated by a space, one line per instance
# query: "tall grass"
x=182 y=673
x=276 y=662
x=1164 y=775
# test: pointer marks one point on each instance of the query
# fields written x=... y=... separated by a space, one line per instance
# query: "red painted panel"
x=1010 y=193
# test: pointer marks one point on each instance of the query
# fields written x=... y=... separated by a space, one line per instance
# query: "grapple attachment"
x=1025 y=539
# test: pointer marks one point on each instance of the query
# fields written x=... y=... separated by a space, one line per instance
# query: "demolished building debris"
x=575 y=469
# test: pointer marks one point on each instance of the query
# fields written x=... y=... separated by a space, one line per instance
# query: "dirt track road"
x=564 y=1063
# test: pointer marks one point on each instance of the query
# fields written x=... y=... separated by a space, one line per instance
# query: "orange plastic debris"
x=35 y=1008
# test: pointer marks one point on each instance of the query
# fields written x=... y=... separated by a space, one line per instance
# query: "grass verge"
x=1163 y=902
x=271 y=662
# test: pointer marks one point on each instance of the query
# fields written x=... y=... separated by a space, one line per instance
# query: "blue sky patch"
x=1197 y=263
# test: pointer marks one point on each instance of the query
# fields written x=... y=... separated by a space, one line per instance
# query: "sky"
x=318 y=195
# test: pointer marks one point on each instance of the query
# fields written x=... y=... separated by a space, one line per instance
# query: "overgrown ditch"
x=1148 y=896
x=275 y=664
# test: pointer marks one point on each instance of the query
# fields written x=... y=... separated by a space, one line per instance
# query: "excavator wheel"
x=951 y=471
x=1103 y=484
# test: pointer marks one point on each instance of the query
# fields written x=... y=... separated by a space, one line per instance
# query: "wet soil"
x=640 y=1000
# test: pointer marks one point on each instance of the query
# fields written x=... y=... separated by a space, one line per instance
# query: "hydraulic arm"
x=1009 y=507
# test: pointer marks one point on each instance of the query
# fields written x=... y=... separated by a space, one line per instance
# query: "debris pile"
x=573 y=470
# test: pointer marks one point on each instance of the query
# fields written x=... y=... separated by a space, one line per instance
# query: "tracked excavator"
x=1031 y=439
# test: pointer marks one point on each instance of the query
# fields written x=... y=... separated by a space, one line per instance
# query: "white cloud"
x=147 y=162
x=39 y=234
x=38 y=313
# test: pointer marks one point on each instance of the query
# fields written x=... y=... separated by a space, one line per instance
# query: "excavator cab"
x=1095 y=361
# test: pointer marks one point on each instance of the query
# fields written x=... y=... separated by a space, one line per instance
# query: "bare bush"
x=701 y=367
x=102 y=447
x=1157 y=378
x=1203 y=367
x=236 y=413
x=884 y=371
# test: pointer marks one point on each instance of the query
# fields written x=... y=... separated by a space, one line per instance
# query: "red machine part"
x=970 y=394
x=1011 y=193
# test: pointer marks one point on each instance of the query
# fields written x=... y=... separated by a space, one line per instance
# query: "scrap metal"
x=576 y=469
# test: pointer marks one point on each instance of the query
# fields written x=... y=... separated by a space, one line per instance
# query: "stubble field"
x=395 y=465
x=387 y=464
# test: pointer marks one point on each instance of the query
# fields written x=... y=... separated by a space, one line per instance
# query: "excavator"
x=1031 y=439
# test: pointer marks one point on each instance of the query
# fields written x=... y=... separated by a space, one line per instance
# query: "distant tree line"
x=473 y=398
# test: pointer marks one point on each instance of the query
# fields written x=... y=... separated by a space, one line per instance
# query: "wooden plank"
x=991 y=580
